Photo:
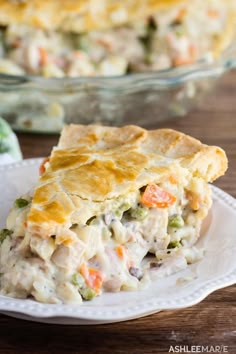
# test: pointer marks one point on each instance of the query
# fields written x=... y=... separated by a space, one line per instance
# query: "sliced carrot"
x=173 y=179
x=181 y=14
x=181 y=60
x=192 y=50
x=213 y=13
x=78 y=54
x=156 y=197
x=189 y=58
x=93 y=277
x=43 y=56
x=107 y=45
x=42 y=166
x=120 y=252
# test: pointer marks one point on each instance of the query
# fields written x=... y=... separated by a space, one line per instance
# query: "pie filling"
x=148 y=234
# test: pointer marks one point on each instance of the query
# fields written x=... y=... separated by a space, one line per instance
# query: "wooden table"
x=210 y=323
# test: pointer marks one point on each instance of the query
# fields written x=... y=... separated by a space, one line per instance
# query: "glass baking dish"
x=37 y=104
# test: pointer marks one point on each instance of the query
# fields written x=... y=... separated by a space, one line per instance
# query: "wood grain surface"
x=209 y=323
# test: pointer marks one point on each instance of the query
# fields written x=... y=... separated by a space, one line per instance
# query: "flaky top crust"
x=79 y=15
x=94 y=165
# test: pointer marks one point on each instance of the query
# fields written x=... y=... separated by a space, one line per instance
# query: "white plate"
x=186 y=288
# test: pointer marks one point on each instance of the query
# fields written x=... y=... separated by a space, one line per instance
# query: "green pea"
x=78 y=280
x=21 y=203
x=139 y=213
x=84 y=43
x=179 y=32
x=118 y=213
x=87 y=293
x=148 y=58
x=176 y=221
x=4 y=233
x=123 y=207
x=174 y=244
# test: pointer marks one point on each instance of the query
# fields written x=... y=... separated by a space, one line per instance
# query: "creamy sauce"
x=111 y=252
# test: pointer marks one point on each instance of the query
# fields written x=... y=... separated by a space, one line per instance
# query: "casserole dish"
x=109 y=95
x=45 y=105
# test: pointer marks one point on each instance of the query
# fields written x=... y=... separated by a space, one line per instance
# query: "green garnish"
x=21 y=203
x=176 y=221
x=78 y=280
x=174 y=244
x=87 y=293
x=139 y=213
x=4 y=233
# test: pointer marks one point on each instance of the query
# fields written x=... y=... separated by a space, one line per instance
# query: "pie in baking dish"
x=113 y=209
x=57 y=38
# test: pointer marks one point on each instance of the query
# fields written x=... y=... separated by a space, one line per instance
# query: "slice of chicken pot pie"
x=113 y=209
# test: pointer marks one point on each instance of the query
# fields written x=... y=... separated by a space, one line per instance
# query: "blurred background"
x=139 y=62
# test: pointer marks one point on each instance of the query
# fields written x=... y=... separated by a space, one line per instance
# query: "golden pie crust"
x=77 y=16
x=94 y=166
